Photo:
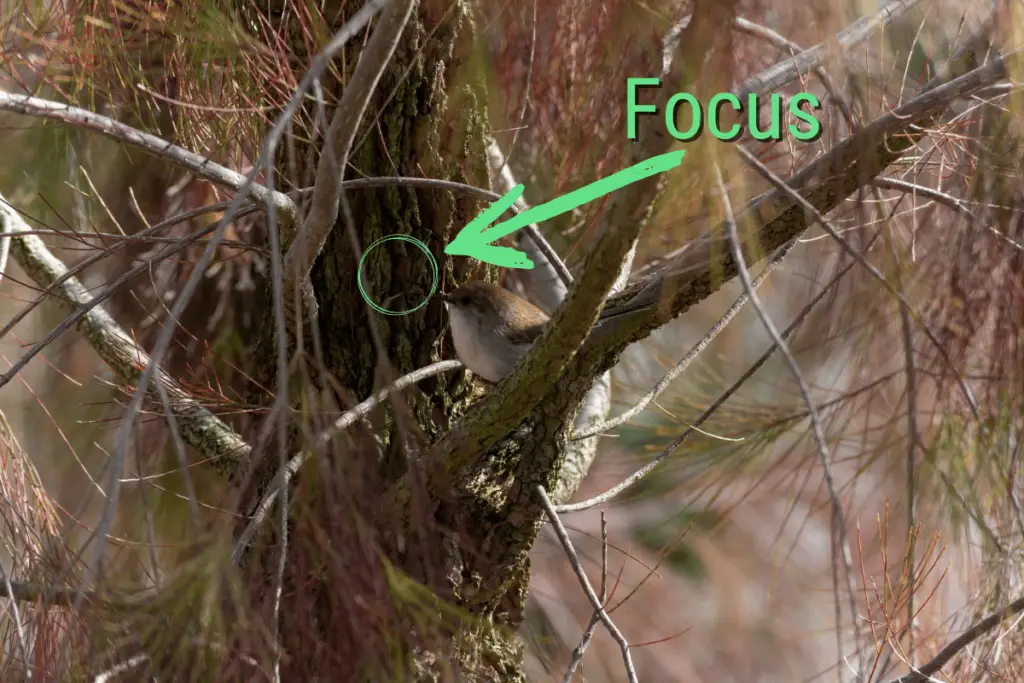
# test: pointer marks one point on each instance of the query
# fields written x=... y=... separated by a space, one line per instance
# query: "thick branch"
x=784 y=72
x=693 y=276
x=200 y=428
x=537 y=374
x=826 y=182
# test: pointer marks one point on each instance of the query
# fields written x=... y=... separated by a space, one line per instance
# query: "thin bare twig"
x=574 y=560
x=50 y=289
x=197 y=164
x=84 y=238
x=78 y=313
x=508 y=182
x=826 y=225
x=347 y=419
x=181 y=455
x=913 y=440
x=526 y=94
x=200 y=428
x=19 y=626
x=276 y=415
x=796 y=52
x=725 y=396
x=827 y=83
x=838 y=516
x=924 y=673
x=46 y=595
x=588 y=634
x=120 y=668
x=7 y=233
x=776 y=77
x=958 y=205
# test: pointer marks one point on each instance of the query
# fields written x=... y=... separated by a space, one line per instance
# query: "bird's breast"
x=483 y=350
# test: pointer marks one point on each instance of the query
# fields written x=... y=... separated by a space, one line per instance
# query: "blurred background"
x=719 y=563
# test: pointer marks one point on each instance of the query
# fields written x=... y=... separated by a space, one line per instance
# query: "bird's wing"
x=527 y=335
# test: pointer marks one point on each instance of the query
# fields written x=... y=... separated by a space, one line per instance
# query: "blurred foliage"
x=668 y=539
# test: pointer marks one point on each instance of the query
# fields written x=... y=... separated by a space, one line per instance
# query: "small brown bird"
x=492 y=328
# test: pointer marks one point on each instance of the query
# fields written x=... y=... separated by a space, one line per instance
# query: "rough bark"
x=426 y=121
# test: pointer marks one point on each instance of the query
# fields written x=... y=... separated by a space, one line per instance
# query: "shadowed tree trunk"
x=424 y=120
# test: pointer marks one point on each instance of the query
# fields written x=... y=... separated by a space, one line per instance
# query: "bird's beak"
x=444 y=297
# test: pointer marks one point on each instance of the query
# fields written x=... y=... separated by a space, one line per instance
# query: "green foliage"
x=668 y=539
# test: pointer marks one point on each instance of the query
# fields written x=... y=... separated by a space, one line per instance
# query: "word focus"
x=752 y=107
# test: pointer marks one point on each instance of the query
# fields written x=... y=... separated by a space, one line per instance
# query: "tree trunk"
x=424 y=121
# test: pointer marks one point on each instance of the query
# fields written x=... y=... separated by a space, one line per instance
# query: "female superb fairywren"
x=492 y=328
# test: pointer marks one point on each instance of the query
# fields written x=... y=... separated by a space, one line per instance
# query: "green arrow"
x=475 y=240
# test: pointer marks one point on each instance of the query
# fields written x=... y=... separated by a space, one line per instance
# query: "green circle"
x=433 y=273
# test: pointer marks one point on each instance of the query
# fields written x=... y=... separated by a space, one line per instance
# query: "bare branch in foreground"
x=588 y=634
x=201 y=429
x=574 y=560
x=547 y=292
x=328 y=187
x=179 y=156
x=838 y=516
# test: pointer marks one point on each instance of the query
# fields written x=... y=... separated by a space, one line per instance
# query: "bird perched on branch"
x=492 y=328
